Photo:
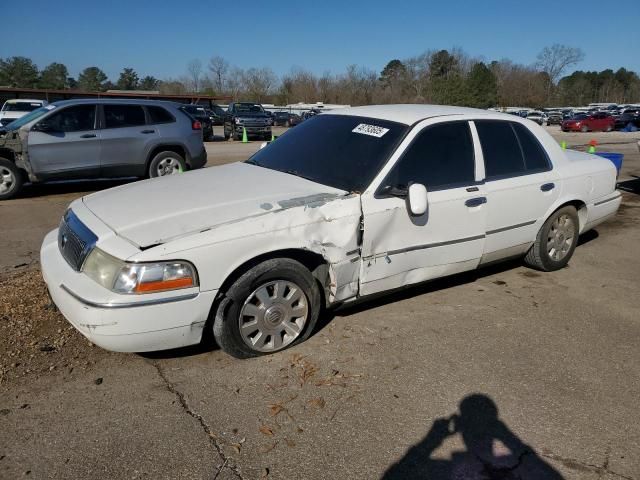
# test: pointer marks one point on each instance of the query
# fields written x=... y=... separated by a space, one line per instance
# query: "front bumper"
x=251 y=130
x=123 y=323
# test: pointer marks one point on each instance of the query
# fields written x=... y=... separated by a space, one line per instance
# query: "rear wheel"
x=609 y=128
x=10 y=179
x=166 y=163
x=555 y=242
x=584 y=129
x=271 y=307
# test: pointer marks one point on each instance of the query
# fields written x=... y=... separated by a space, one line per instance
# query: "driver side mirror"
x=417 y=197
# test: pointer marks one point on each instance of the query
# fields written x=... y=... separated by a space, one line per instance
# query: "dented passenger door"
x=399 y=248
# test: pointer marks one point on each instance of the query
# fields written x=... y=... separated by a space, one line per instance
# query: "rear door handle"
x=475 y=202
x=548 y=187
x=88 y=135
x=148 y=131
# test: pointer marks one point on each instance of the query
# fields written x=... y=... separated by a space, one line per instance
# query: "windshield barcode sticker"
x=371 y=130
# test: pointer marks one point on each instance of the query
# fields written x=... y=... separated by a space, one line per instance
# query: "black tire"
x=11 y=179
x=609 y=128
x=584 y=129
x=287 y=124
x=226 y=324
x=538 y=256
x=165 y=156
x=226 y=135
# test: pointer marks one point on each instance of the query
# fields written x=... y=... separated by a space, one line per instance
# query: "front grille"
x=75 y=240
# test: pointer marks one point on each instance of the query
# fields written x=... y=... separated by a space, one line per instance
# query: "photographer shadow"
x=493 y=451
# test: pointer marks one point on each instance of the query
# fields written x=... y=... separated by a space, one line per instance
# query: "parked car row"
x=99 y=138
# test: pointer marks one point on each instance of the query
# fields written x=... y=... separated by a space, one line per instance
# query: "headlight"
x=123 y=277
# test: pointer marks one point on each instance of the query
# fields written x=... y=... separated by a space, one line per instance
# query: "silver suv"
x=98 y=138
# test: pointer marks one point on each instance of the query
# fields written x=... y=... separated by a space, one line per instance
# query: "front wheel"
x=10 y=179
x=271 y=307
x=584 y=129
x=555 y=242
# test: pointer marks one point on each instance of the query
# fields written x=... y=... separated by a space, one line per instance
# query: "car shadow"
x=70 y=186
x=630 y=186
x=492 y=451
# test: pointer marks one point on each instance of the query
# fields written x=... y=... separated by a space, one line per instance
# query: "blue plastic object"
x=616 y=158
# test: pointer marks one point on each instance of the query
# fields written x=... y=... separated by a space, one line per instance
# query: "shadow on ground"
x=492 y=450
x=630 y=186
x=70 y=186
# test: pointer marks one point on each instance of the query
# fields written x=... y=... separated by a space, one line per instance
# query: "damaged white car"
x=350 y=203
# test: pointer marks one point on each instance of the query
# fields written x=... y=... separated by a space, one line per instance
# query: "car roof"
x=114 y=101
x=413 y=113
x=24 y=100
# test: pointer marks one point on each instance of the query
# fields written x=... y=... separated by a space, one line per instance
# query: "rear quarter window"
x=160 y=115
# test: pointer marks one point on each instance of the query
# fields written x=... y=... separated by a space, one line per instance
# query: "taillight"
x=196 y=125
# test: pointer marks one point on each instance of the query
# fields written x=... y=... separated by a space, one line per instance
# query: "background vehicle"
x=99 y=138
x=216 y=114
x=538 y=117
x=349 y=204
x=555 y=118
x=589 y=122
x=198 y=112
x=14 y=109
x=626 y=118
x=286 y=119
x=248 y=116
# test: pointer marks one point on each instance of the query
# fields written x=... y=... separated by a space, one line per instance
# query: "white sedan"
x=350 y=203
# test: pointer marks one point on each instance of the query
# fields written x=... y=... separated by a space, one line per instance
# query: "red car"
x=589 y=123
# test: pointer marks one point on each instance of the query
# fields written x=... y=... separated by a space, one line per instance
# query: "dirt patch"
x=36 y=340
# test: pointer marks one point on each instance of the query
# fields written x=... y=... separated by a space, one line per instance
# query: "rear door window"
x=535 y=157
x=500 y=148
x=440 y=157
x=118 y=116
x=510 y=149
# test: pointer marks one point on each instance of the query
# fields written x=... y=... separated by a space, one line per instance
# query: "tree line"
x=449 y=77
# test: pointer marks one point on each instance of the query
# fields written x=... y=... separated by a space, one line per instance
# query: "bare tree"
x=554 y=60
x=194 y=69
x=219 y=68
x=258 y=83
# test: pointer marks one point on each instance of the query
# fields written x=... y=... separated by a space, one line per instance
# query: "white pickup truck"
x=16 y=108
x=350 y=203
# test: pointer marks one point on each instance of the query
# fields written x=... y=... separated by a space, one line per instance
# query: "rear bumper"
x=199 y=160
x=602 y=209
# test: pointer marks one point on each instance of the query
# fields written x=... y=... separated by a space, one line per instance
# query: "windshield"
x=337 y=150
x=579 y=116
x=249 y=107
x=20 y=106
x=29 y=117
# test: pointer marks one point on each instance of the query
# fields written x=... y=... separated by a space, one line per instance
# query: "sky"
x=160 y=37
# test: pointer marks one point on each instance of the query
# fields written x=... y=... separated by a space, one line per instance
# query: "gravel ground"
x=557 y=353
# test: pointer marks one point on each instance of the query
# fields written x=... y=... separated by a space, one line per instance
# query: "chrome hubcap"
x=168 y=166
x=560 y=237
x=273 y=316
x=7 y=180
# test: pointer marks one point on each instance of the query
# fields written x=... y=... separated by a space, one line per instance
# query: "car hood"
x=158 y=210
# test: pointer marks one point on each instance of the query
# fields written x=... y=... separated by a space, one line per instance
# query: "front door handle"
x=148 y=131
x=547 y=187
x=475 y=202
x=88 y=135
